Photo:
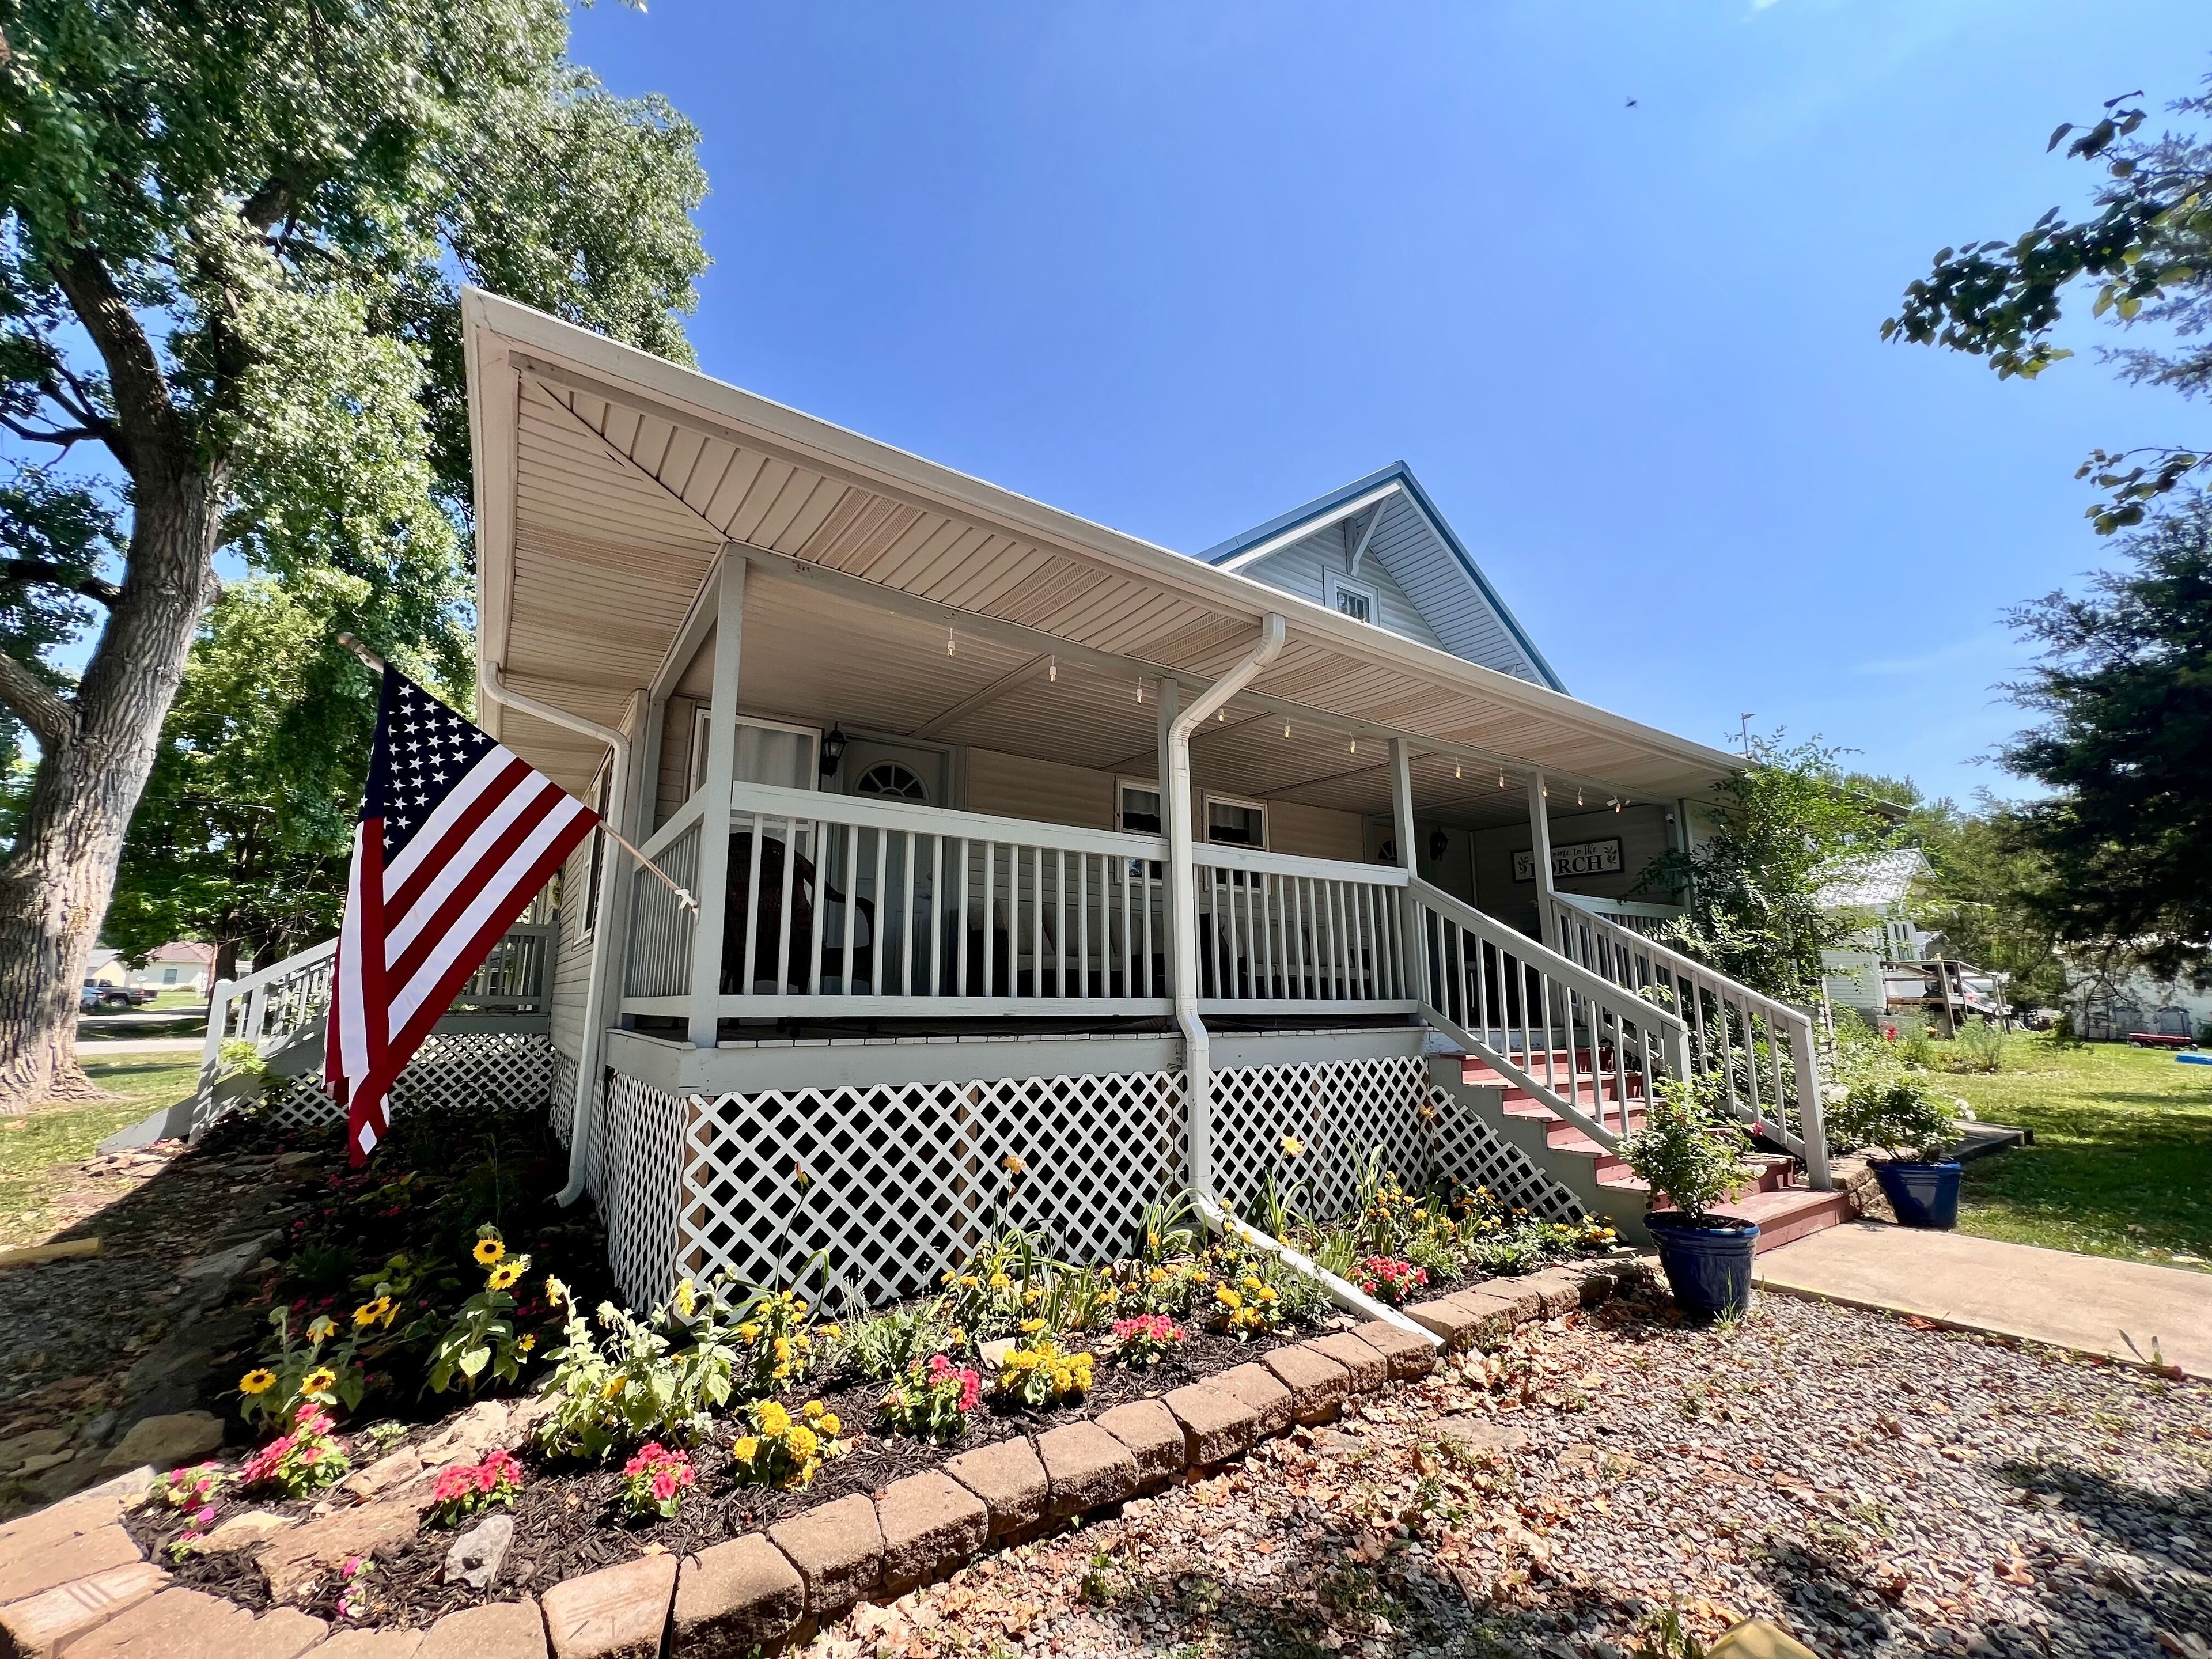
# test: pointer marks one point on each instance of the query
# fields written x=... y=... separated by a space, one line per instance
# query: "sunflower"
x=526 y=1342
x=317 y=1381
x=504 y=1275
x=320 y=1327
x=489 y=1252
x=259 y=1380
x=382 y=1312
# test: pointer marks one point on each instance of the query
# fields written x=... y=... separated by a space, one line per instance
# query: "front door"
x=914 y=776
x=893 y=771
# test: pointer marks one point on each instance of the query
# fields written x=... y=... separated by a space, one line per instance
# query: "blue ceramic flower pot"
x=1923 y=1194
x=1708 y=1269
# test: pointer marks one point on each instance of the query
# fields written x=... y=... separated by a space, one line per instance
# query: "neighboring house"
x=2111 y=1003
x=1873 y=890
x=179 y=965
x=107 y=967
x=1043 y=873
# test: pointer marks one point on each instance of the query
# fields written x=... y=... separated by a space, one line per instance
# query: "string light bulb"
x=1355 y=745
x=1456 y=768
x=1287 y=731
x=1578 y=798
x=1052 y=670
x=1501 y=780
x=951 y=649
x=1140 y=690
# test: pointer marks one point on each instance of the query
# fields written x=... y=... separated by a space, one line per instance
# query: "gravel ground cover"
x=1874 y=1488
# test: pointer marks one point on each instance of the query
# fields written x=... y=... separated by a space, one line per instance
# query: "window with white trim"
x=1233 y=823
x=769 y=751
x=1137 y=806
x=1357 y=600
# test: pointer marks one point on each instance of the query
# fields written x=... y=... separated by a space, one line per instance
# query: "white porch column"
x=1540 y=829
x=713 y=883
x=1182 y=888
x=1168 y=695
x=1401 y=820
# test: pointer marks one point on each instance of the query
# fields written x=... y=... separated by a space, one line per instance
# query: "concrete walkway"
x=94 y=1049
x=2087 y=1303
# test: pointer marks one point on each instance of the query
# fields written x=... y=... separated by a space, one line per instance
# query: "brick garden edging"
x=74 y=1585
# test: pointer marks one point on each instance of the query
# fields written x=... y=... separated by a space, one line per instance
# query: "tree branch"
x=64 y=437
x=51 y=719
x=56 y=575
x=146 y=422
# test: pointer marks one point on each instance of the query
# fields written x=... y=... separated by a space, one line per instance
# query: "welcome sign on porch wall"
x=1580 y=858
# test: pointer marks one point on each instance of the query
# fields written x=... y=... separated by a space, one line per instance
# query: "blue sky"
x=1178 y=267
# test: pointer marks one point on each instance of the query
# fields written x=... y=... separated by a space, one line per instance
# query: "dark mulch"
x=568 y=1519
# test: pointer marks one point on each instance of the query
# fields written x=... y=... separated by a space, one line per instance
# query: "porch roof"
x=608 y=481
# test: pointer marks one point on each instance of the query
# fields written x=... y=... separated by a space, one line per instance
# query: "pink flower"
x=201 y=1517
x=665 y=1485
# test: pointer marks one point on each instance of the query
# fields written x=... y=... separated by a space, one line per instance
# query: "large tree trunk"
x=55 y=886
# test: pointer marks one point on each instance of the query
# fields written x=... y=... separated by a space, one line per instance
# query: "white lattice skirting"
x=896 y=1183
x=452 y=1072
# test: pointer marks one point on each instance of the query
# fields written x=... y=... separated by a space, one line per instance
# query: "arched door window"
x=892 y=782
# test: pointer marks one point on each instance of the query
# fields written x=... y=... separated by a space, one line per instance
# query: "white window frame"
x=1205 y=818
x=700 y=719
x=1366 y=591
x=1120 y=784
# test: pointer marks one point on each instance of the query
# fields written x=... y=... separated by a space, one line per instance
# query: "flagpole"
x=682 y=897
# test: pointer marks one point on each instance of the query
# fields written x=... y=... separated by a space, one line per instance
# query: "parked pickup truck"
x=96 y=998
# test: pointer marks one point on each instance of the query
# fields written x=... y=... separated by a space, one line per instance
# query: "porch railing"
x=1636 y=915
x=1278 y=934
x=1579 y=1043
x=841 y=905
x=277 y=1006
x=1763 y=1049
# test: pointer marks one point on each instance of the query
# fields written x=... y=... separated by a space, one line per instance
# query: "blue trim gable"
x=1222 y=552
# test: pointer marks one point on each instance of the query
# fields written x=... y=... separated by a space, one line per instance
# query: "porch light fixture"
x=833 y=750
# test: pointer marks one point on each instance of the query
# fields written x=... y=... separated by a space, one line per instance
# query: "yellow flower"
x=613 y=1390
x=783 y=1350
x=1031 y=1326
x=503 y=1276
x=801 y=1441
x=746 y=1449
x=1265 y=1293
x=320 y=1327
x=1011 y=1164
x=259 y=1380
x=526 y=1342
x=1158 y=1275
x=773 y=1419
x=1228 y=1299
x=1000 y=1282
x=1251 y=1281
x=969 y=1281
x=685 y=1298
x=811 y=1410
x=318 y=1380
x=832 y=1333
x=831 y=1425
x=380 y=1311
x=489 y=1251
x=749 y=1331
x=1062 y=1378
x=1293 y=1146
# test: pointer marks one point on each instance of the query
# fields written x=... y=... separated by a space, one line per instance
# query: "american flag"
x=457 y=835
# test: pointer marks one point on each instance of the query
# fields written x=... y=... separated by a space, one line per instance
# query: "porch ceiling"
x=607 y=481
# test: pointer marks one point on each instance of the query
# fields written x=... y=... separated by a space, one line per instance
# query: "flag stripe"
x=463 y=857
x=487 y=783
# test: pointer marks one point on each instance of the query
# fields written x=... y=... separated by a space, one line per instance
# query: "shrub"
x=463 y=1489
x=300 y=1461
x=1903 y=1117
x=1042 y=1374
x=1980 y=1047
x=655 y=1480
x=481 y=1338
x=1146 y=1339
x=783 y=1450
x=1686 y=1150
x=932 y=1400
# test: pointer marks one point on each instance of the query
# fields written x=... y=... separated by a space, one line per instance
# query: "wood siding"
x=1302 y=568
x=1644 y=832
x=1315 y=832
x=1044 y=791
x=571 y=969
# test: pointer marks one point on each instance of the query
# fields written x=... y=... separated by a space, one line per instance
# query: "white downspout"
x=1183 y=889
x=587 y=1063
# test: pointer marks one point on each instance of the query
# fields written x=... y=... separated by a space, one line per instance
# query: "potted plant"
x=1691 y=1153
x=1899 y=1117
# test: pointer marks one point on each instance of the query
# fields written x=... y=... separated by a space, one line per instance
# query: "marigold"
x=259 y=1380
x=830 y=1424
x=1031 y=1326
x=749 y=1331
x=489 y=1252
x=774 y=1419
x=746 y=1448
x=802 y=1441
x=1228 y=1299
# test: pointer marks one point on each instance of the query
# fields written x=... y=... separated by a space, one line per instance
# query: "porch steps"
x=1596 y=1175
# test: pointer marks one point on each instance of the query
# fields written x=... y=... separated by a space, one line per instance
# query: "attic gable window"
x=1355 y=600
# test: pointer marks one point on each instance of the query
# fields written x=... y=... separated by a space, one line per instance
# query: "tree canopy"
x=232 y=239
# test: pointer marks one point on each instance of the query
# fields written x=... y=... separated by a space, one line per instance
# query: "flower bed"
x=727 y=1409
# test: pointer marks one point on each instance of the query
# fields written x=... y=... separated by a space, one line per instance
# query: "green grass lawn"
x=2122 y=1164
x=39 y=1154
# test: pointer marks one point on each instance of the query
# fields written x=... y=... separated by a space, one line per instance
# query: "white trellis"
x=896 y=1183
x=451 y=1072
